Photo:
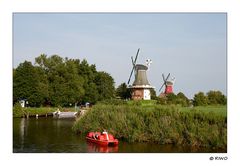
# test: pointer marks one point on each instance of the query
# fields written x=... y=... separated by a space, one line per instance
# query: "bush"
x=18 y=110
x=169 y=99
x=211 y=98
x=200 y=99
x=216 y=98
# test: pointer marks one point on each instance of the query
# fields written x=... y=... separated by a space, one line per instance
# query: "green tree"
x=60 y=82
x=89 y=73
x=105 y=86
x=28 y=83
x=73 y=82
x=54 y=69
x=153 y=94
x=91 y=93
x=162 y=100
x=200 y=99
x=43 y=87
x=65 y=83
x=182 y=100
x=123 y=91
x=171 y=98
x=216 y=98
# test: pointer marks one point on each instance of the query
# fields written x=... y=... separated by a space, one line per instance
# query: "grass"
x=148 y=122
x=215 y=109
x=18 y=111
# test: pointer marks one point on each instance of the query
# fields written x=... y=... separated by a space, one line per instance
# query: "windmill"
x=168 y=83
x=140 y=87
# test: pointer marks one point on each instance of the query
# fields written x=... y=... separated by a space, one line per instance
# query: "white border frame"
x=8 y=7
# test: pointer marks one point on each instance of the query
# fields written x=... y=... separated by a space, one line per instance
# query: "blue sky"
x=190 y=46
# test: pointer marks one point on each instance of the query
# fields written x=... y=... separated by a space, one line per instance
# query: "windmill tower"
x=168 y=83
x=140 y=87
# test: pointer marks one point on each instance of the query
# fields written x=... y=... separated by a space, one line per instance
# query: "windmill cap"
x=142 y=86
x=141 y=67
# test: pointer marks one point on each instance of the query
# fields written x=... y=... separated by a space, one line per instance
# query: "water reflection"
x=23 y=131
x=94 y=148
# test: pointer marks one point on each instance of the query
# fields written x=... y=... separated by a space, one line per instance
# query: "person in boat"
x=95 y=136
x=105 y=132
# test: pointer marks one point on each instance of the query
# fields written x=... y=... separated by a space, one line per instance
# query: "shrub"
x=18 y=111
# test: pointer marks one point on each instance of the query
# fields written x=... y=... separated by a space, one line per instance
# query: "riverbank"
x=197 y=127
x=18 y=111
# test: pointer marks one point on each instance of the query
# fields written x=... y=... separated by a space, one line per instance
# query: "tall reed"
x=156 y=123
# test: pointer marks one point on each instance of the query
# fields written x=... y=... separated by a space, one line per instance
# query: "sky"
x=190 y=46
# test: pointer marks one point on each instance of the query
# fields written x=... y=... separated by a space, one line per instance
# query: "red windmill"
x=168 y=84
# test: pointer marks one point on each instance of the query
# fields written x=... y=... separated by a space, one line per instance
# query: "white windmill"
x=140 y=87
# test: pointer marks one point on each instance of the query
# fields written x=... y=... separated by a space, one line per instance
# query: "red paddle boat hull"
x=101 y=139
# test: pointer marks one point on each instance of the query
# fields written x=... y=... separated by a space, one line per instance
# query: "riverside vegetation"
x=19 y=111
x=148 y=122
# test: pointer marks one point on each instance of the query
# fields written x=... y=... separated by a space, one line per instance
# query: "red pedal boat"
x=102 y=138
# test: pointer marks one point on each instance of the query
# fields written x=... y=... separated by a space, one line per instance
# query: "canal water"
x=50 y=135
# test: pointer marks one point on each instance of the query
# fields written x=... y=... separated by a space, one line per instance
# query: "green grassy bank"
x=18 y=111
x=199 y=127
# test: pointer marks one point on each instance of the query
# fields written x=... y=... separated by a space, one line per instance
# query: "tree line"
x=57 y=81
x=200 y=99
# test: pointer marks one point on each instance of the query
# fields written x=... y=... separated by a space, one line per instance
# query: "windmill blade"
x=130 y=75
x=163 y=78
x=167 y=77
x=165 y=81
x=136 y=57
x=161 y=86
x=134 y=63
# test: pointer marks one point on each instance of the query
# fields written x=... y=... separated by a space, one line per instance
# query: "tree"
x=60 y=82
x=91 y=93
x=162 y=100
x=200 y=99
x=43 y=87
x=105 y=86
x=216 y=98
x=153 y=94
x=28 y=83
x=65 y=83
x=123 y=92
x=182 y=100
x=171 y=98
x=74 y=90
x=54 y=69
x=89 y=73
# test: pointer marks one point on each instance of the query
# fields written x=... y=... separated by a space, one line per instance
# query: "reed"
x=159 y=124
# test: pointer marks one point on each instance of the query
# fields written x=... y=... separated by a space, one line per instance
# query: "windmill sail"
x=164 y=81
x=168 y=84
x=134 y=64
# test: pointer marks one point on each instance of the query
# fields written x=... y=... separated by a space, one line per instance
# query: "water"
x=49 y=135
